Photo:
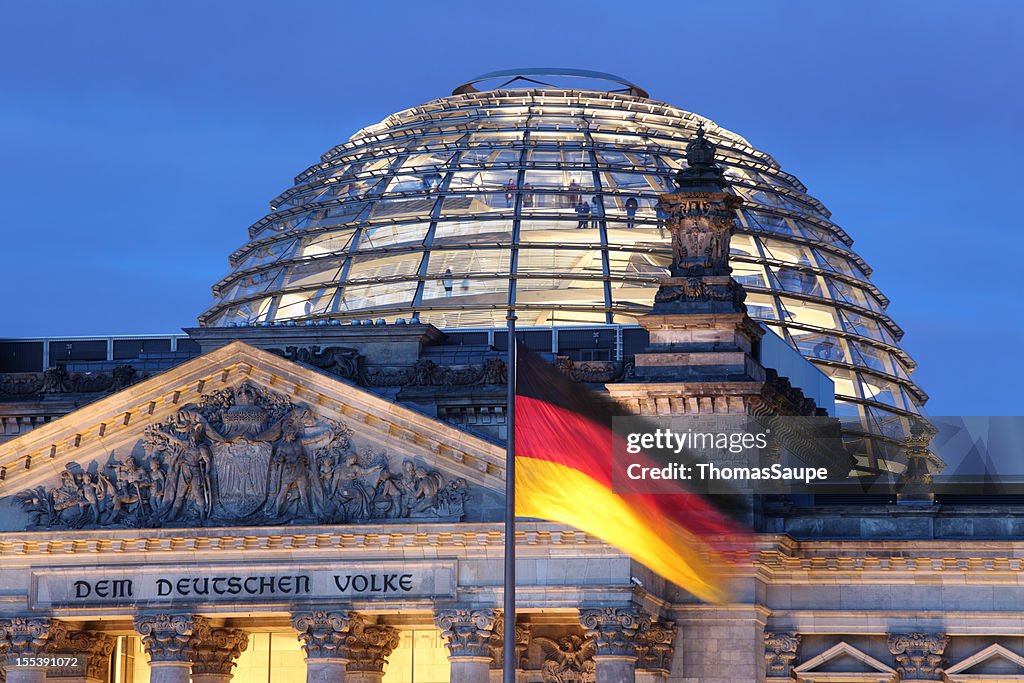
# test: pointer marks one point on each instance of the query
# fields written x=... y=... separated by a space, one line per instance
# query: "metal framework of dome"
x=431 y=213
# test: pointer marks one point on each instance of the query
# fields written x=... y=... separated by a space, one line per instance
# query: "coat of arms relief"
x=245 y=456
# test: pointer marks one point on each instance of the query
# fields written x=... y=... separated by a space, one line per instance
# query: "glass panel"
x=477 y=203
x=761 y=306
x=785 y=251
x=798 y=281
x=749 y=275
x=421 y=657
x=416 y=206
x=807 y=313
x=330 y=242
x=472 y=232
x=817 y=345
x=266 y=253
x=304 y=273
x=371 y=267
x=881 y=391
x=249 y=312
x=392 y=234
x=302 y=304
x=252 y=283
x=871 y=357
x=644 y=265
x=359 y=297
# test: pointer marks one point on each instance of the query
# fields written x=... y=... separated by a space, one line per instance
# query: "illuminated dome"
x=549 y=182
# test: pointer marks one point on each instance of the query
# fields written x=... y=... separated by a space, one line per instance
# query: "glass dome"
x=431 y=214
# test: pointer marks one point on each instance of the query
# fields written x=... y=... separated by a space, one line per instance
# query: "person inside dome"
x=583 y=212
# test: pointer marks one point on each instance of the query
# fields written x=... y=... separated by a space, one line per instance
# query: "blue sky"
x=141 y=139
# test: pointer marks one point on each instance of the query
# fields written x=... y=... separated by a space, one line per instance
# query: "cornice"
x=411 y=540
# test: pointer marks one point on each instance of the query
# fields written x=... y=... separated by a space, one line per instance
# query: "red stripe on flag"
x=547 y=432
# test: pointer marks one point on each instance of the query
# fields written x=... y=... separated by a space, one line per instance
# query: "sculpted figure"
x=188 y=473
x=38 y=505
x=388 y=497
x=355 y=495
x=56 y=380
x=292 y=468
x=427 y=486
x=66 y=497
x=295 y=485
x=157 y=482
x=407 y=485
x=89 y=495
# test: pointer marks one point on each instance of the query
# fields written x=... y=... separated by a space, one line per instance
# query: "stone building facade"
x=331 y=497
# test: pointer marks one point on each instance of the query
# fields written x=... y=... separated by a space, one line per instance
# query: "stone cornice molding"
x=296 y=540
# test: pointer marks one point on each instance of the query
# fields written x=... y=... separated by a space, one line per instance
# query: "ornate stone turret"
x=699 y=329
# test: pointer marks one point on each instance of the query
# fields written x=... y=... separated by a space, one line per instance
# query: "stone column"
x=324 y=636
x=368 y=649
x=216 y=654
x=27 y=636
x=170 y=641
x=467 y=633
x=498 y=647
x=919 y=656
x=94 y=645
x=779 y=652
x=614 y=632
x=654 y=652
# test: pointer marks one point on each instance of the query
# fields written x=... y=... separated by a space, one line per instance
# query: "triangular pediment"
x=241 y=437
x=994 y=663
x=843 y=662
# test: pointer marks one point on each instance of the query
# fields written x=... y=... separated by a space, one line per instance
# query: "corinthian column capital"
x=171 y=637
x=324 y=633
x=369 y=647
x=918 y=655
x=216 y=654
x=96 y=647
x=467 y=632
x=614 y=631
x=28 y=635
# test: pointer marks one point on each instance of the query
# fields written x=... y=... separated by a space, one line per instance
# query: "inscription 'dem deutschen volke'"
x=125 y=586
x=289 y=584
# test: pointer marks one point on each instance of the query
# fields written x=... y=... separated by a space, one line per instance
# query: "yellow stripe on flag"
x=551 y=491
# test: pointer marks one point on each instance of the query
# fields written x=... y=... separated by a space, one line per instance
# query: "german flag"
x=563 y=455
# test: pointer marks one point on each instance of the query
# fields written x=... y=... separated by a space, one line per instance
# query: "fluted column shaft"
x=467 y=633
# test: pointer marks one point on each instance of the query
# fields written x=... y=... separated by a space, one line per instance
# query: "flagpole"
x=509 y=654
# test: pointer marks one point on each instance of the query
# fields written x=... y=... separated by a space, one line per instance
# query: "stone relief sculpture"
x=245 y=456
x=570 y=659
x=57 y=380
